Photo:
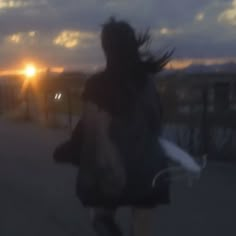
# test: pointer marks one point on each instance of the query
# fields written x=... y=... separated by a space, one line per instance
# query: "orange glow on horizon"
x=179 y=64
x=38 y=70
x=31 y=70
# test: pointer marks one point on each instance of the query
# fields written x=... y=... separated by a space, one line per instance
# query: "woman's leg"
x=142 y=221
x=104 y=223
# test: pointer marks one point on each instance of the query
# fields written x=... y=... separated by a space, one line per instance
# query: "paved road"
x=37 y=198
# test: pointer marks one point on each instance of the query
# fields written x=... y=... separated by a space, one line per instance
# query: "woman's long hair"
x=127 y=51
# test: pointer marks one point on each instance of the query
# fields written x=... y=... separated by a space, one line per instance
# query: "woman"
x=129 y=122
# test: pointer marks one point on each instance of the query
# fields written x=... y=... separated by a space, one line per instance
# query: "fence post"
x=205 y=135
x=46 y=105
x=1 y=99
x=69 y=106
x=191 y=129
x=12 y=98
x=27 y=100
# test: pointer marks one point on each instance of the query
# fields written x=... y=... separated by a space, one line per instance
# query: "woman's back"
x=134 y=130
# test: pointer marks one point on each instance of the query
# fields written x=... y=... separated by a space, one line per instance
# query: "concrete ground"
x=37 y=197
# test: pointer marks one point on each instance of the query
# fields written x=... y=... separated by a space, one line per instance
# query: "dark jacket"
x=135 y=127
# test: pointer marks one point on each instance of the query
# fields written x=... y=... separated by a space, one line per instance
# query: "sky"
x=66 y=33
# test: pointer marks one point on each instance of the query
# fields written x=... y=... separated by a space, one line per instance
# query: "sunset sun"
x=30 y=71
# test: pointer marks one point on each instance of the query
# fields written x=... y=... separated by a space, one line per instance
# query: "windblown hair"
x=124 y=48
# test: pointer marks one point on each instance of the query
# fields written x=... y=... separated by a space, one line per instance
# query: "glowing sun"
x=30 y=71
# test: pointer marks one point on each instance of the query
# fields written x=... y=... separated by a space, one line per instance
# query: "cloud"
x=22 y=37
x=229 y=15
x=200 y=17
x=9 y=4
x=14 y=38
x=164 y=31
x=71 y=38
x=32 y=34
x=67 y=39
